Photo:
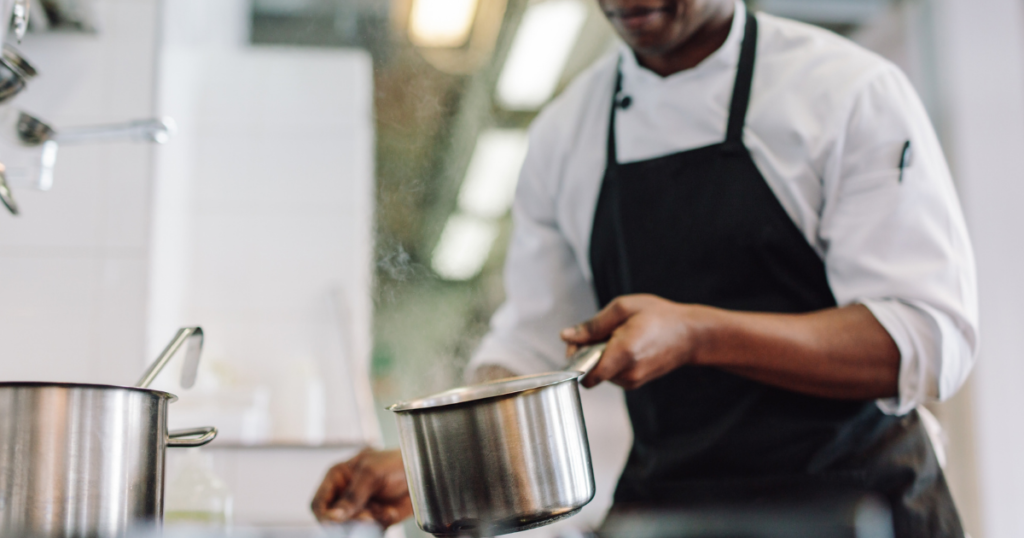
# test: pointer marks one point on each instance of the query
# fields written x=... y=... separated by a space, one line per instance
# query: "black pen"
x=904 y=159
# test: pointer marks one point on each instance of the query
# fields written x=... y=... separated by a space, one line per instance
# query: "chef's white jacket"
x=827 y=125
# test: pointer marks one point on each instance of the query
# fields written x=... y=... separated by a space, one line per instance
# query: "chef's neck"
x=697 y=45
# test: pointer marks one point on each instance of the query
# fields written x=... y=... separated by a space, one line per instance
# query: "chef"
x=757 y=217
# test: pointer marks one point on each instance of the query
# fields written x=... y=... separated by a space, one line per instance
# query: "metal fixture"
x=194 y=337
x=27 y=131
x=15 y=72
x=5 y=192
x=33 y=131
x=19 y=18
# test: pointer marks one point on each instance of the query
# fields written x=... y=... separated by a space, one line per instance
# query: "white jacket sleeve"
x=545 y=288
x=897 y=242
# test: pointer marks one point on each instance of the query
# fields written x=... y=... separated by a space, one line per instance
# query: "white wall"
x=74 y=264
x=264 y=209
x=263 y=212
x=263 y=206
x=980 y=52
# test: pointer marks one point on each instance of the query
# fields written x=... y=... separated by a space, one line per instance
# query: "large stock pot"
x=84 y=460
x=499 y=457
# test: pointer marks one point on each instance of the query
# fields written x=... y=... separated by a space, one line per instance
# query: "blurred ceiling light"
x=464 y=246
x=490 y=183
x=541 y=47
x=441 y=23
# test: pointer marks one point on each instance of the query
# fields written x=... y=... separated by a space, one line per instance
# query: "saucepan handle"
x=194 y=337
x=586 y=358
x=191 y=437
x=158 y=130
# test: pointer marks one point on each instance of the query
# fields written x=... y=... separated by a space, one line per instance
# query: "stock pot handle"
x=187 y=438
x=586 y=358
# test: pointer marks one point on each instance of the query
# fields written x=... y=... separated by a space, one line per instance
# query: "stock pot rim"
x=485 y=391
x=64 y=385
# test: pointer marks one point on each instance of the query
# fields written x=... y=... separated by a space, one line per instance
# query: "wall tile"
x=45 y=317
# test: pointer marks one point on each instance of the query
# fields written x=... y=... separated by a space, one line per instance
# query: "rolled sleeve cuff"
x=918 y=338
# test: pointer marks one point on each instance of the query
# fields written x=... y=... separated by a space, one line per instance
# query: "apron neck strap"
x=740 y=93
x=612 y=153
x=741 y=88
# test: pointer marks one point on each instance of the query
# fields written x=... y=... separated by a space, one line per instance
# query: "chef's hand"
x=370 y=486
x=647 y=336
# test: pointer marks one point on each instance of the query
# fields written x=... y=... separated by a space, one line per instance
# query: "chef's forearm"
x=836 y=353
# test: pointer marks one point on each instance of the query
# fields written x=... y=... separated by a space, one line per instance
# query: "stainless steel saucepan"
x=499 y=457
x=88 y=460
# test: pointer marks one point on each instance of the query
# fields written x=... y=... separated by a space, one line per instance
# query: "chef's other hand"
x=647 y=336
x=370 y=486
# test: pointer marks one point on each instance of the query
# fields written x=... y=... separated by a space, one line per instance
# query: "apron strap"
x=741 y=89
x=612 y=153
x=612 y=182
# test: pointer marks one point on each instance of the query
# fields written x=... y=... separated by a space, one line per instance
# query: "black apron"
x=703 y=227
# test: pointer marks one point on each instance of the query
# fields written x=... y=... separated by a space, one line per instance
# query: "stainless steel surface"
x=15 y=71
x=194 y=337
x=586 y=358
x=33 y=131
x=88 y=460
x=158 y=130
x=498 y=465
x=499 y=457
x=6 y=196
x=579 y=365
x=19 y=18
x=82 y=460
x=28 y=132
x=192 y=437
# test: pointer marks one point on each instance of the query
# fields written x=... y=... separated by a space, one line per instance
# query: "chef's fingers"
x=364 y=483
x=601 y=326
x=334 y=481
x=615 y=359
x=388 y=514
x=364 y=515
x=640 y=372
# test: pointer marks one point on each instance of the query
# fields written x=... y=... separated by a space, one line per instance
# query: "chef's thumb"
x=363 y=485
x=600 y=327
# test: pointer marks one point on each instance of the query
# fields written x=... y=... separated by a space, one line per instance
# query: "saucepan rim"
x=485 y=391
x=64 y=385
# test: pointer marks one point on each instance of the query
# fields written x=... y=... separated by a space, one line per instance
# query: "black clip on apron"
x=703 y=227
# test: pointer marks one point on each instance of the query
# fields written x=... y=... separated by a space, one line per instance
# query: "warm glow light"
x=539 y=52
x=490 y=183
x=441 y=23
x=464 y=246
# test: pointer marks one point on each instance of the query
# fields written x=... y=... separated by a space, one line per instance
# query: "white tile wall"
x=244 y=223
x=74 y=264
x=272 y=180
x=263 y=209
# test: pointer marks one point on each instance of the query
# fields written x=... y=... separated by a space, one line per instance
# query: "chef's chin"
x=651 y=29
x=650 y=41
